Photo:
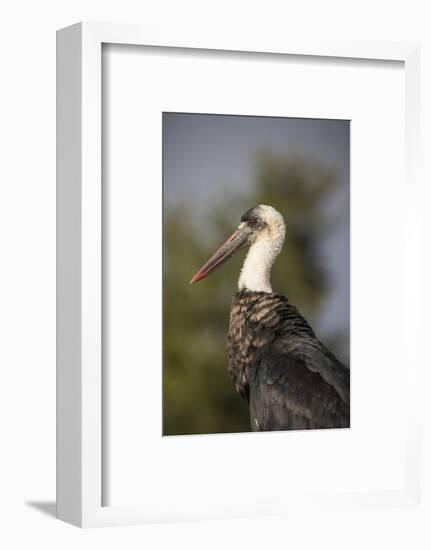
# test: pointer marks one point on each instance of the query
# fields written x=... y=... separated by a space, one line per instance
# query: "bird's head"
x=261 y=228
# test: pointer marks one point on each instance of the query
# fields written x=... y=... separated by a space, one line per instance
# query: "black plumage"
x=289 y=378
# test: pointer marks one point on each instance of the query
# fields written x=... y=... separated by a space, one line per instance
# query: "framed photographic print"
x=259 y=170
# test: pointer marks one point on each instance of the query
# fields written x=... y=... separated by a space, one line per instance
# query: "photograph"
x=216 y=253
x=256 y=273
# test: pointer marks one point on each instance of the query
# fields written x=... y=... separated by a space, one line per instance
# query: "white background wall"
x=27 y=272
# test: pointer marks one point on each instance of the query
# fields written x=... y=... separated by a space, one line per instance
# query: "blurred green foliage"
x=198 y=393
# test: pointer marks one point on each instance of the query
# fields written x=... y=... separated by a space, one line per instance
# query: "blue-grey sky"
x=205 y=155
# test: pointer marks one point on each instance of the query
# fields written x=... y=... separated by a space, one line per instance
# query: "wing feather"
x=288 y=391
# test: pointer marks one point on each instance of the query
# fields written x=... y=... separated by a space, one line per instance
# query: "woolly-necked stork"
x=288 y=377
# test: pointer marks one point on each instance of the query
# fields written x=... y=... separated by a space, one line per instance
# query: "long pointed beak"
x=226 y=250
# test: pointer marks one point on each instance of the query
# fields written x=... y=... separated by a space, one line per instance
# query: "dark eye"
x=252 y=222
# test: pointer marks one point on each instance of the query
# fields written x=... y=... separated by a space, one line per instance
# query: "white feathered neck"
x=256 y=271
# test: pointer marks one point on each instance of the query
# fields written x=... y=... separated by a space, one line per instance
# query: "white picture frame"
x=79 y=263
